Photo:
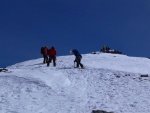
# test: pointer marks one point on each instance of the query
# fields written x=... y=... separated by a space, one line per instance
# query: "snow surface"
x=109 y=82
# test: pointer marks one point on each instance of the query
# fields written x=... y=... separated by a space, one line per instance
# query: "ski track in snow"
x=32 y=87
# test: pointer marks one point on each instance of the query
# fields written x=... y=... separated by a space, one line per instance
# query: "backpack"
x=52 y=52
x=42 y=50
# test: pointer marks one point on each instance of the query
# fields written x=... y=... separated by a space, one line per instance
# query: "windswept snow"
x=109 y=82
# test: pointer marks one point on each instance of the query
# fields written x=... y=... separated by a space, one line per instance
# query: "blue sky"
x=86 y=25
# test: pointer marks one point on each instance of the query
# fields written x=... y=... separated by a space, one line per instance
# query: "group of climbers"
x=50 y=55
x=106 y=49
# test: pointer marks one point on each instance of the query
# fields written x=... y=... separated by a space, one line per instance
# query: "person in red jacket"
x=52 y=56
x=44 y=53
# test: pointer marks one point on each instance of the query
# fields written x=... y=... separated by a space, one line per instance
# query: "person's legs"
x=81 y=65
x=54 y=61
x=45 y=58
x=79 y=62
x=49 y=61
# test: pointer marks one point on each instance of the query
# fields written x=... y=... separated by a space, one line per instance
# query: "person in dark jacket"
x=52 y=56
x=44 y=51
x=78 y=58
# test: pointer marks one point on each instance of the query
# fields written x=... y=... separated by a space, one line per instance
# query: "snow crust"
x=109 y=82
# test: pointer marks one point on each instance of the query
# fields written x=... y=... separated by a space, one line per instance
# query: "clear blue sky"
x=86 y=25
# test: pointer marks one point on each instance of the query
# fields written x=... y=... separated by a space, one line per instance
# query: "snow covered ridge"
x=102 y=61
x=109 y=82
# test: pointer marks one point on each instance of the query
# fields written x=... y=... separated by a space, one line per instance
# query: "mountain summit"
x=109 y=82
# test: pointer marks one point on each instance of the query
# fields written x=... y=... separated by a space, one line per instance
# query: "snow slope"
x=109 y=82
